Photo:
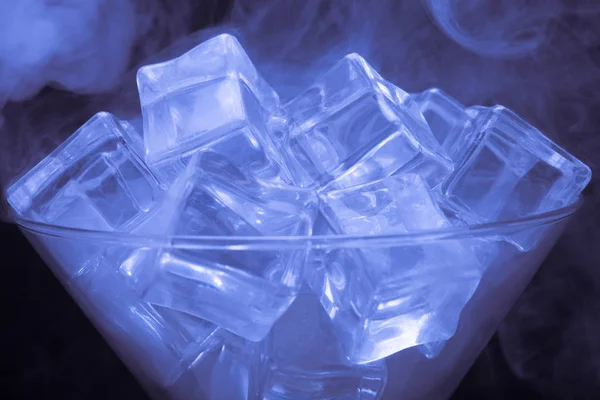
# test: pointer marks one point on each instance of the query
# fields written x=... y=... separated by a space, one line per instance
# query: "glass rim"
x=282 y=242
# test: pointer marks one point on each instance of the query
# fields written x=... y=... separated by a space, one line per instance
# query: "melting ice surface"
x=219 y=156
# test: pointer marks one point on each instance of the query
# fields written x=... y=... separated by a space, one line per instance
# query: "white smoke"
x=82 y=46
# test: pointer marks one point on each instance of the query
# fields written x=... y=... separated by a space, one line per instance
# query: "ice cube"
x=173 y=349
x=210 y=97
x=80 y=183
x=352 y=127
x=93 y=180
x=213 y=198
x=133 y=129
x=445 y=116
x=510 y=170
x=231 y=370
x=384 y=299
x=396 y=204
x=306 y=361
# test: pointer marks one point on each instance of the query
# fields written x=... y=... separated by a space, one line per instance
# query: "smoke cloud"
x=43 y=42
x=537 y=57
x=61 y=61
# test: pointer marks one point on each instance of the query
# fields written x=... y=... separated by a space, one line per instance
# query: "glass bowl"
x=167 y=368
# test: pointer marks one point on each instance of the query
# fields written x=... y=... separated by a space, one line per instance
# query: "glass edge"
x=283 y=242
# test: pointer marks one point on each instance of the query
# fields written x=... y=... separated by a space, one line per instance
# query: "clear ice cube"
x=214 y=198
x=179 y=352
x=93 y=180
x=80 y=183
x=133 y=132
x=396 y=204
x=352 y=127
x=210 y=97
x=384 y=300
x=509 y=170
x=233 y=368
x=445 y=116
x=306 y=361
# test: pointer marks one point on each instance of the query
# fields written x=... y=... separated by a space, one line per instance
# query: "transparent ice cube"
x=214 y=198
x=384 y=300
x=399 y=204
x=445 y=116
x=210 y=97
x=133 y=132
x=306 y=361
x=233 y=368
x=352 y=127
x=80 y=183
x=179 y=352
x=93 y=180
x=510 y=170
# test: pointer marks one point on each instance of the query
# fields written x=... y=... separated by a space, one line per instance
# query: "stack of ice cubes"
x=222 y=157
